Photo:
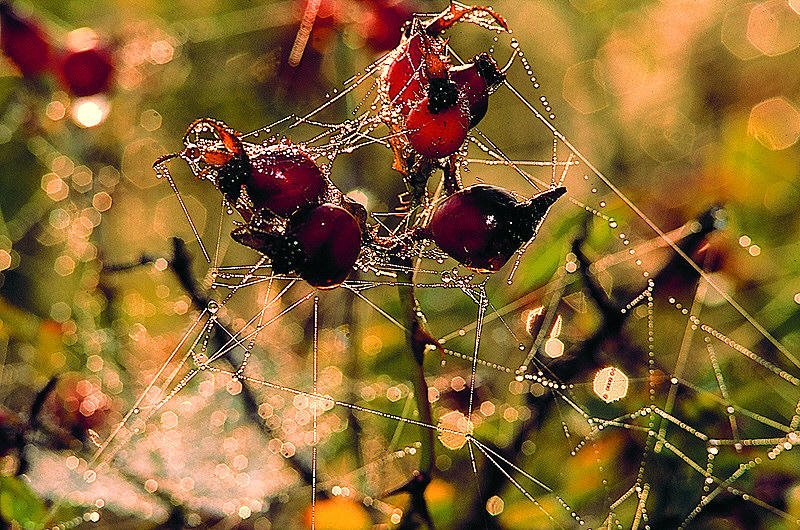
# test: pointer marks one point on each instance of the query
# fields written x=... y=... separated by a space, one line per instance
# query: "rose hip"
x=331 y=241
x=283 y=178
x=23 y=42
x=482 y=226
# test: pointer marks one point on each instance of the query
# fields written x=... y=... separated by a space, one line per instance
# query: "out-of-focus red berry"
x=382 y=21
x=23 y=42
x=76 y=405
x=87 y=72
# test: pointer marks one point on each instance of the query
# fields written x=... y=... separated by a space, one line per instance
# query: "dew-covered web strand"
x=165 y=172
x=719 y=289
x=493 y=458
x=683 y=355
x=482 y=304
x=314 y=420
x=116 y=430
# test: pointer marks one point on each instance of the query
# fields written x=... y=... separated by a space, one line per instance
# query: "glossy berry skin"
x=331 y=241
x=474 y=86
x=87 y=72
x=23 y=42
x=403 y=74
x=283 y=178
x=482 y=226
x=437 y=135
x=477 y=80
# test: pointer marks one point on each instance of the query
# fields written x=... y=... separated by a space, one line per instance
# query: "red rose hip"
x=23 y=42
x=477 y=79
x=402 y=76
x=283 y=178
x=437 y=135
x=331 y=241
x=482 y=226
x=87 y=72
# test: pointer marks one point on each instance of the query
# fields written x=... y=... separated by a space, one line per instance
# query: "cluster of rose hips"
x=84 y=71
x=297 y=218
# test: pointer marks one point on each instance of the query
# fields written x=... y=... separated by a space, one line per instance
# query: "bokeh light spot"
x=150 y=120
x=774 y=27
x=101 y=201
x=91 y=111
x=454 y=429
x=582 y=88
x=161 y=52
x=64 y=265
x=610 y=384
x=554 y=348
x=81 y=39
x=55 y=110
x=734 y=32
x=495 y=505
x=775 y=123
x=5 y=259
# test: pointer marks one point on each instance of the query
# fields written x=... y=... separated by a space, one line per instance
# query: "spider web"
x=587 y=338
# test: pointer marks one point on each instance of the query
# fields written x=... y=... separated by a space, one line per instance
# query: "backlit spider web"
x=598 y=337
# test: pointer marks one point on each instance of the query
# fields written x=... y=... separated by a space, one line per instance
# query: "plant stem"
x=417 y=340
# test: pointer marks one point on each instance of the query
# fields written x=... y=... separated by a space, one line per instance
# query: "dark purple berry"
x=232 y=175
x=482 y=226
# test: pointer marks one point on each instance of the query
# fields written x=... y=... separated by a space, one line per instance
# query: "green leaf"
x=19 y=504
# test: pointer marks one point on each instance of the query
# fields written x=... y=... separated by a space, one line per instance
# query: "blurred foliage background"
x=684 y=105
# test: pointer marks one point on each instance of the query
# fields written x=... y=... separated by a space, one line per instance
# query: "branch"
x=418 y=341
x=180 y=263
